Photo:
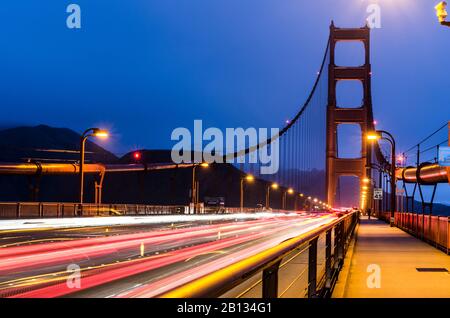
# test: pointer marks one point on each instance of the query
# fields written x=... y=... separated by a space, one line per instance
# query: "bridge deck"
x=398 y=256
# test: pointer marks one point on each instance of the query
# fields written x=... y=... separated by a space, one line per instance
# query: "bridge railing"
x=257 y=276
x=25 y=210
x=21 y=210
x=431 y=228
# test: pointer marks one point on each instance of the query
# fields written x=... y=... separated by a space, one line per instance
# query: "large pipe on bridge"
x=73 y=168
x=424 y=174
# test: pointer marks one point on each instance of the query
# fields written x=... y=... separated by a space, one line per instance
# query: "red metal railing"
x=433 y=229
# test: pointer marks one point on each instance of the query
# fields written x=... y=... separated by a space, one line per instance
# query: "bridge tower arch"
x=362 y=116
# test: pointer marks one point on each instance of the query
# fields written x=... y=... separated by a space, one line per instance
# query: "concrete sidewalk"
x=396 y=255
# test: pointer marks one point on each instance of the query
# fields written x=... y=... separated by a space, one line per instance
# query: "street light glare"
x=204 y=165
x=274 y=185
x=373 y=136
x=250 y=178
x=101 y=133
x=290 y=190
x=441 y=11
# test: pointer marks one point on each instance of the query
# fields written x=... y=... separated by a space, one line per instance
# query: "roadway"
x=140 y=256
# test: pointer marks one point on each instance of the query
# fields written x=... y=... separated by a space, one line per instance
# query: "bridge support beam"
x=335 y=166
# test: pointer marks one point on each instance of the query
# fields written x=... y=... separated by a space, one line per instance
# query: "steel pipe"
x=73 y=168
x=424 y=174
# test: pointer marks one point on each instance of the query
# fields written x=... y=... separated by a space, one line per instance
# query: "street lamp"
x=300 y=195
x=248 y=178
x=441 y=13
x=273 y=186
x=195 y=185
x=377 y=135
x=91 y=132
x=283 y=202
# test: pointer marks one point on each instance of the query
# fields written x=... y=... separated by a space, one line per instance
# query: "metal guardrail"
x=337 y=234
x=427 y=173
x=432 y=229
x=25 y=210
x=21 y=210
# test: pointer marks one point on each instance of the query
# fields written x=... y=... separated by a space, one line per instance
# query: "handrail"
x=22 y=210
x=220 y=281
x=73 y=168
x=424 y=174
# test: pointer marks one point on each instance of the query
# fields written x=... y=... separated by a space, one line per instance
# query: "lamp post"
x=441 y=13
x=95 y=132
x=195 y=185
x=377 y=135
x=284 y=199
x=314 y=203
x=273 y=186
x=300 y=195
x=309 y=199
x=248 y=178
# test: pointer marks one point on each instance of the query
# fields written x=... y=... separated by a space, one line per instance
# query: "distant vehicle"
x=214 y=201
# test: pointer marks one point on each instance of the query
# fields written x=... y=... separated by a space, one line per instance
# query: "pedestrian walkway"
x=407 y=266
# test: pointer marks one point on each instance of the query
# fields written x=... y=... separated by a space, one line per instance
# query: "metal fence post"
x=312 y=268
x=18 y=210
x=341 y=242
x=336 y=246
x=328 y=270
x=270 y=281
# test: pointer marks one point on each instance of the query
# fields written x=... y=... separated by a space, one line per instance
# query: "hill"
x=44 y=143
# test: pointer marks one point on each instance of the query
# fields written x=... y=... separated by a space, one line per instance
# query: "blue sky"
x=144 y=67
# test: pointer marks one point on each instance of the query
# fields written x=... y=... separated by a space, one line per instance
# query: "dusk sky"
x=142 y=67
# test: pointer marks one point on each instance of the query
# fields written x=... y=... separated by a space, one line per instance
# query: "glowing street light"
x=375 y=136
x=283 y=202
x=273 y=186
x=248 y=178
x=441 y=13
x=91 y=132
x=195 y=183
